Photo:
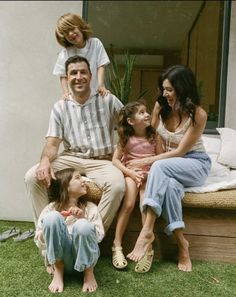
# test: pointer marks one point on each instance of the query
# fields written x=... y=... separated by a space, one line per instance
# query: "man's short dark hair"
x=76 y=59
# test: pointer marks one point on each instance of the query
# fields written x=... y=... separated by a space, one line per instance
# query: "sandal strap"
x=145 y=264
x=117 y=248
x=118 y=258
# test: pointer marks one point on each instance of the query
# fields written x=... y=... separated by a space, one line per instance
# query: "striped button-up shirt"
x=85 y=129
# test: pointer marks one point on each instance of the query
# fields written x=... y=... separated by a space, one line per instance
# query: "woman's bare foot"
x=143 y=242
x=57 y=284
x=90 y=284
x=184 y=263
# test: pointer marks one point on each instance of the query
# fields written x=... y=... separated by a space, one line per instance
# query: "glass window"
x=163 y=33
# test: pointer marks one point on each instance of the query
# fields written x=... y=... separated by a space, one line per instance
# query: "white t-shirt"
x=93 y=51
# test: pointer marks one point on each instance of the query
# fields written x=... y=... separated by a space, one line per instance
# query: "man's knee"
x=30 y=176
x=117 y=182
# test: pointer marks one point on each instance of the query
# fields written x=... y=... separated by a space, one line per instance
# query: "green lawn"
x=23 y=275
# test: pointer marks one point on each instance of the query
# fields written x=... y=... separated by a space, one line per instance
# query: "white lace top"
x=176 y=137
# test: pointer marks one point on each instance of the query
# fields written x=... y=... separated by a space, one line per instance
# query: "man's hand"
x=45 y=173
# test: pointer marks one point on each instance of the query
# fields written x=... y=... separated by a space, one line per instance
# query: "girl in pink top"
x=137 y=139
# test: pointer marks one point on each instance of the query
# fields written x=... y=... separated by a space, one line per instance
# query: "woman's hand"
x=137 y=163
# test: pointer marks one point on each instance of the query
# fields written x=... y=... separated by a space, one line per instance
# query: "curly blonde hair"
x=68 y=22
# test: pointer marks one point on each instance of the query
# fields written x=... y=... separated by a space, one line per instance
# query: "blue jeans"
x=165 y=185
x=78 y=250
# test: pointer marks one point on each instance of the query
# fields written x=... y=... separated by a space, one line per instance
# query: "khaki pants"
x=102 y=172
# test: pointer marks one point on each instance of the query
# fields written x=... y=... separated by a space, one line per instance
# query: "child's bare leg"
x=184 y=263
x=125 y=211
x=90 y=283
x=57 y=284
x=145 y=238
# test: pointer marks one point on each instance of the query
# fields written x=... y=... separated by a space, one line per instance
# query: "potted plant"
x=119 y=81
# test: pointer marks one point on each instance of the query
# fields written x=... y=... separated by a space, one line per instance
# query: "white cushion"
x=212 y=144
x=227 y=154
x=218 y=170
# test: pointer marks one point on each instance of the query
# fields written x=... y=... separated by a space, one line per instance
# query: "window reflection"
x=160 y=34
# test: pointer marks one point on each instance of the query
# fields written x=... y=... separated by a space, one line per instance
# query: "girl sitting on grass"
x=137 y=139
x=68 y=231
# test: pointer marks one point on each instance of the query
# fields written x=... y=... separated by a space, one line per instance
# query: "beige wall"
x=230 y=120
x=28 y=89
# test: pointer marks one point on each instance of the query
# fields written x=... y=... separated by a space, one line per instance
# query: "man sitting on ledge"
x=85 y=125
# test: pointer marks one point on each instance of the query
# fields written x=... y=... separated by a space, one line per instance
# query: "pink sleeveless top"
x=138 y=148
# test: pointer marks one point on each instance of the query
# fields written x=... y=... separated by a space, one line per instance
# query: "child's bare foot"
x=143 y=242
x=57 y=284
x=184 y=263
x=90 y=284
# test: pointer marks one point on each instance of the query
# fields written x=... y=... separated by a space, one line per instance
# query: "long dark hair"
x=125 y=130
x=58 y=190
x=184 y=83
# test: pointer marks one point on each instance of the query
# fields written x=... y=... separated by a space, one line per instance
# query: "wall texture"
x=28 y=90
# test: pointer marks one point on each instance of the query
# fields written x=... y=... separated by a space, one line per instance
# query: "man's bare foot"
x=143 y=242
x=90 y=284
x=184 y=263
x=50 y=269
x=57 y=284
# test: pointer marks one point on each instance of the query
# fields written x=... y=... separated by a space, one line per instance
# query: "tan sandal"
x=145 y=263
x=118 y=258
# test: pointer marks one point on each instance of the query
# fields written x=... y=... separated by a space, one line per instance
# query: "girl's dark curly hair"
x=124 y=129
x=184 y=83
x=58 y=190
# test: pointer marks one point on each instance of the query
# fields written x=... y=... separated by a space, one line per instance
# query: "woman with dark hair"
x=68 y=231
x=180 y=121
